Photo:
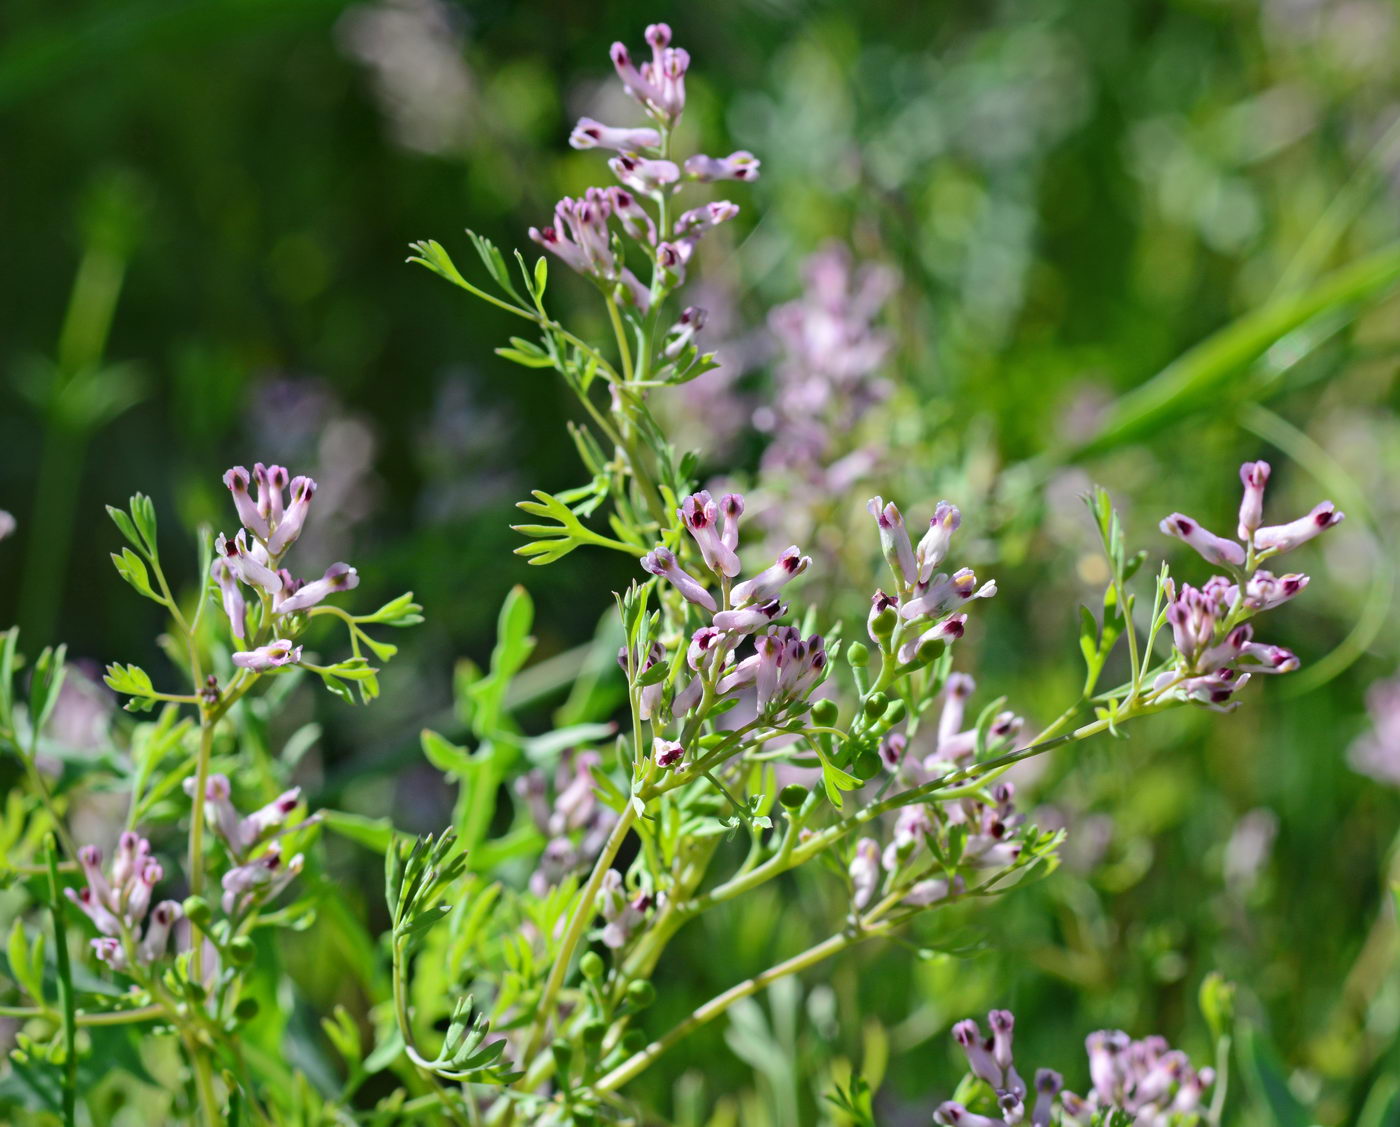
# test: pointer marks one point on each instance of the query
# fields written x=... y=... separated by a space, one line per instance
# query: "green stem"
x=717 y=1005
x=110 y=1017
x=65 y=996
x=578 y=924
x=196 y=850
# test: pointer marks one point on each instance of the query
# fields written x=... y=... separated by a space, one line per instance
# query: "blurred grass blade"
x=1188 y=383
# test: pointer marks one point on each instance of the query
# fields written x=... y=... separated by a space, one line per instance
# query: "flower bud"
x=875 y=706
x=858 y=655
x=241 y=950
x=197 y=911
x=826 y=713
x=246 y=1010
x=640 y=994
x=592 y=966
x=793 y=796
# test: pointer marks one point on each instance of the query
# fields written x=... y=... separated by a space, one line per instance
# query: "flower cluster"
x=923 y=610
x=1215 y=651
x=622 y=912
x=1147 y=1080
x=581 y=235
x=260 y=873
x=118 y=902
x=784 y=668
x=273 y=520
x=826 y=377
x=1377 y=752
x=931 y=841
x=573 y=819
x=953 y=743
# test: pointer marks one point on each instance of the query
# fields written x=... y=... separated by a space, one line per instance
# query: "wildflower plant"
x=758 y=739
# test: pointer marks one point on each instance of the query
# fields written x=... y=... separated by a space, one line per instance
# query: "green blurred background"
x=206 y=208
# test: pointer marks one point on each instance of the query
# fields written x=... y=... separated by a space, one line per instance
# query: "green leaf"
x=494 y=262
x=373 y=833
x=1265 y=1081
x=445 y=756
x=524 y=359
x=45 y=685
x=125 y=526
x=130 y=568
x=402 y=611
x=143 y=514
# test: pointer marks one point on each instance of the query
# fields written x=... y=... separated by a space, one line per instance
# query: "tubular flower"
x=590 y=134
x=742 y=165
x=266 y=658
x=1260 y=542
x=241 y=834
x=622 y=915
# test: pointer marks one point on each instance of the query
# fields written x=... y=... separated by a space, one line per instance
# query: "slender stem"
x=578 y=923
x=41 y=788
x=196 y=852
x=441 y=1093
x=65 y=996
x=108 y=1017
x=621 y=334
x=204 y=1082
x=722 y=1002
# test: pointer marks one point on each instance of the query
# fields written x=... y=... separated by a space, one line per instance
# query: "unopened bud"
x=793 y=795
x=592 y=966
x=197 y=911
x=858 y=654
x=826 y=713
x=875 y=705
x=641 y=993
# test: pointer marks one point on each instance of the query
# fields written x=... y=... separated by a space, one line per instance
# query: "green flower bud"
x=875 y=706
x=866 y=764
x=246 y=1010
x=594 y=1032
x=882 y=624
x=592 y=966
x=242 y=950
x=197 y=911
x=634 y=1041
x=826 y=713
x=858 y=654
x=793 y=795
x=896 y=712
x=641 y=994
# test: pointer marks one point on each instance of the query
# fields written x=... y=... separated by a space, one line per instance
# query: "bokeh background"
x=206 y=210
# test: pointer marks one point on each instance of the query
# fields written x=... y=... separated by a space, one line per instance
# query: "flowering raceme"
x=1215 y=651
x=1147 y=1081
x=581 y=235
x=274 y=520
x=117 y=903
